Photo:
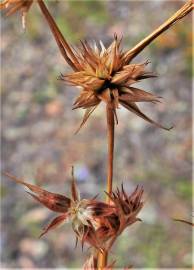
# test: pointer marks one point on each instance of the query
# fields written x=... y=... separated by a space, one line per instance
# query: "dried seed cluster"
x=94 y=222
x=106 y=75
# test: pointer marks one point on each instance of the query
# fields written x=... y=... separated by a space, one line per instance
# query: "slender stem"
x=110 y=138
x=102 y=260
x=103 y=257
x=181 y=13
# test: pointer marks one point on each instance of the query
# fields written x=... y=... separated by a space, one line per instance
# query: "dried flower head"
x=84 y=214
x=127 y=208
x=106 y=74
x=14 y=6
x=109 y=220
x=94 y=222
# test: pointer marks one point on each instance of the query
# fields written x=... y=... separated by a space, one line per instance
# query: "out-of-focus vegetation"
x=38 y=142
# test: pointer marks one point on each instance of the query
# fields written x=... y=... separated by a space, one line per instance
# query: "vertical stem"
x=110 y=138
x=102 y=260
x=103 y=257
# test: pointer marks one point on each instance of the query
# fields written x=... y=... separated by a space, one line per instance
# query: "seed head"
x=94 y=222
x=107 y=74
x=104 y=75
x=83 y=214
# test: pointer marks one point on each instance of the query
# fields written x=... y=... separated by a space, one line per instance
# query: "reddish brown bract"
x=94 y=222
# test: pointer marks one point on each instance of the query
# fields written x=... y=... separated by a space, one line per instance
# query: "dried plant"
x=94 y=222
x=103 y=75
x=85 y=215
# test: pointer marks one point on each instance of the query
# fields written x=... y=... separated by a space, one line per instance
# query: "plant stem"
x=181 y=13
x=110 y=138
x=103 y=257
x=102 y=260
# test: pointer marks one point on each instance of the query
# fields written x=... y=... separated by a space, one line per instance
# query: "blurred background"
x=38 y=141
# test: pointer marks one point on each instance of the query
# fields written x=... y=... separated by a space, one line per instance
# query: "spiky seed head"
x=105 y=75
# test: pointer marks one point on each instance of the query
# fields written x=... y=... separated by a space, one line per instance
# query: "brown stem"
x=63 y=45
x=103 y=257
x=110 y=138
x=102 y=260
x=182 y=12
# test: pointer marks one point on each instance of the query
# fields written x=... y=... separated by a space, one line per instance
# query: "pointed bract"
x=54 y=223
x=55 y=202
